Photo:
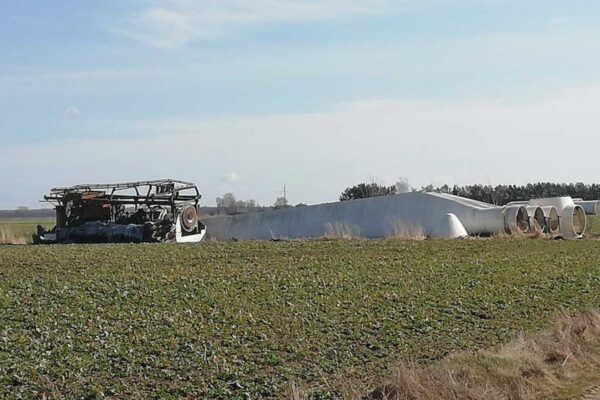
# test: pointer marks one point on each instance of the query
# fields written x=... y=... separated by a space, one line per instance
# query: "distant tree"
x=281 y=202
x=402 y=186
x=246 y=205
x=364 y=190
x=227 y=204
x=22 y=208
x=444 y=189
x=28 y=213
x=503 y=194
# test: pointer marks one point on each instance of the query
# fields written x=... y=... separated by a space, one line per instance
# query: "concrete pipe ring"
x=537 y=221
x=552 y=220
x=579 y=220
x=516 y=219
x=572 y=221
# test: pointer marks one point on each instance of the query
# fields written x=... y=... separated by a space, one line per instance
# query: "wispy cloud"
x=230 y=177
x=478 y=55
x=463 y=141
x=72 y=112
x=175 y=23
x=43 y=75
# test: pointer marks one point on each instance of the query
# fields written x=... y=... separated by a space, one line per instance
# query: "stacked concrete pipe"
x=552 y=220
x=571 y=217
x=537 y=220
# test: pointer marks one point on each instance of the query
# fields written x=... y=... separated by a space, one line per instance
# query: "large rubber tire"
x=189 y=219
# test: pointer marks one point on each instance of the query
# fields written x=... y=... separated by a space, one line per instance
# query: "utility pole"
x=285 y=193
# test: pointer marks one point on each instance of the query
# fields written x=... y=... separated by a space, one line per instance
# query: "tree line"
x=503 y=194
x=228 y=204
x=24 y=212
x=499 y=194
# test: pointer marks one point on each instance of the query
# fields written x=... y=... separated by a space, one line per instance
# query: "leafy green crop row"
x=245 y=319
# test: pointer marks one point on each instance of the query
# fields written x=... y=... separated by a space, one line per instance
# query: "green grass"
x=25 y=227
x=245 y=319
x=593 y=225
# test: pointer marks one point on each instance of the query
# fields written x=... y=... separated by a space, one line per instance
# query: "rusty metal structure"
x=164 y=210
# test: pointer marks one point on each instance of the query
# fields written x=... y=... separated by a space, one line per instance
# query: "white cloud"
x=561 y=21
x=174 y=23
x=486 y=61
x=72 y=112
x=37 y=76
x=317 y=155
x=230 y=177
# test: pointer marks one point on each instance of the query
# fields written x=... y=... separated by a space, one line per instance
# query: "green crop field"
x=246 y=319
x=593 y=226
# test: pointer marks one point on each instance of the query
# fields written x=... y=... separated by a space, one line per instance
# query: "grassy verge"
x=593 y=225
x=247 y=319
x=20 y=230
x=554 y=363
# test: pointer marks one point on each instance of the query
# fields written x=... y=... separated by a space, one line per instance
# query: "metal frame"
x=95 y=211
x=165 y=192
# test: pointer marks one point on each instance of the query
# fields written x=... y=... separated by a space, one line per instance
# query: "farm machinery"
x=164 y=210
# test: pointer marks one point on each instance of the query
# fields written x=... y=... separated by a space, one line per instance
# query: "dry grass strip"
x=531 y=367
x=7 y=236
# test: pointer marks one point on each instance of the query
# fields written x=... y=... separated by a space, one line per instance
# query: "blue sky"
x=249 y=95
